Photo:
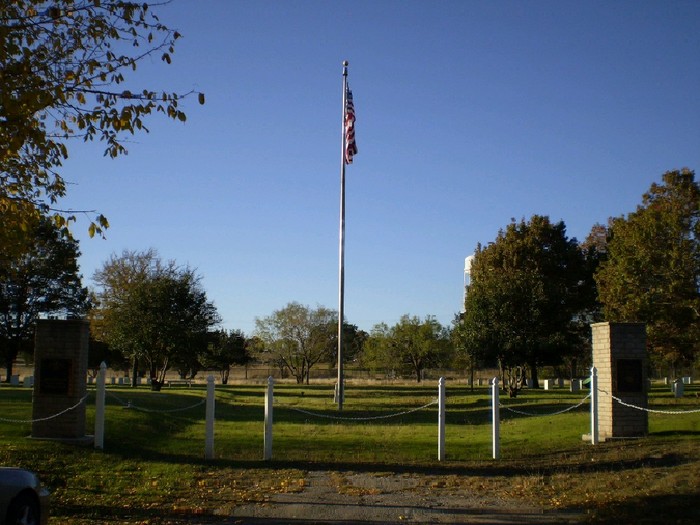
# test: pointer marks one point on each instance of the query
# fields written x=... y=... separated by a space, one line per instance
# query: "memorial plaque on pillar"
x=630 y=377
x=55 y=376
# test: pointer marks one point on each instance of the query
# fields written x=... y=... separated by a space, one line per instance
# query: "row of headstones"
x=120 y=381
x=548 y=383
x=687 y=380
x=676 y=385
x=576 y=384
x=28 y=381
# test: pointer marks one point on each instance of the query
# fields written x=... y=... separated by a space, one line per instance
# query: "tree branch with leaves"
x=63 y=69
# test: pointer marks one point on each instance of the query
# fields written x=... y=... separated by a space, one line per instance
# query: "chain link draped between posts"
x=47 y=418
x=593 y=395
x=652 y=410
x=129 y=405
x=368 y=418
x=522 y=413
x=210 y=401
x=270 y=404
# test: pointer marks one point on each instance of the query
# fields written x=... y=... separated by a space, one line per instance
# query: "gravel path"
x=374 y=498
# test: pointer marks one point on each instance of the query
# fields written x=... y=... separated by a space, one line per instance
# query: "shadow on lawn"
x=676 y=508
x=541 y=465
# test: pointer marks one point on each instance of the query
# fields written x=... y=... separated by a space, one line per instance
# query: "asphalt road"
x=361 y=498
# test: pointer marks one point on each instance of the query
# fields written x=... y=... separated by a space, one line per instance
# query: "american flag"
x=350 y=145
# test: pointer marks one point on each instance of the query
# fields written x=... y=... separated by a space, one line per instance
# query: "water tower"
x=467 y=277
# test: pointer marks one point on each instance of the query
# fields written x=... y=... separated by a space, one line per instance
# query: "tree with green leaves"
x=225 y=350
x=156 y=313
x=378 y=354
x=594 y=251
x=526 y=290
x=63 y=65
x=42 y=279
x=298 y=337
x=652 y=271
x=411 y=344
x=468 y=353
x=353 y=343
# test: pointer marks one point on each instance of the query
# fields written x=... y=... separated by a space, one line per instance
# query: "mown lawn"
x=152 y=468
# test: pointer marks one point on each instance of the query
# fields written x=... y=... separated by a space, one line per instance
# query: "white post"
x=441 y=419
x=269 y=400
x=100 y=407
x=594 y=406
x=496 y=418
x=210 y=417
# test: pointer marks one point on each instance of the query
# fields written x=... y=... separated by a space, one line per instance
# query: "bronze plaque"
x=55 y=376
x=629 y=376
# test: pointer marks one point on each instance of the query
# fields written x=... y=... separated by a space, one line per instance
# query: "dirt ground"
x=328 y=497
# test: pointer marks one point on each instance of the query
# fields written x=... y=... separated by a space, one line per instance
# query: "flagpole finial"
x=345 y=63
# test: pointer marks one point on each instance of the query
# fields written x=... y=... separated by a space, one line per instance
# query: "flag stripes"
x=350 y=145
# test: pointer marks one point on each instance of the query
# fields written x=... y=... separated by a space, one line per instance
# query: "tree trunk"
x=574 y=366
x=11 y=358
x=134 y=372
x=533 y=375
x=8 y=367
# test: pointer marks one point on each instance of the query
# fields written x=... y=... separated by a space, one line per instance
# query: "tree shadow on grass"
x=671 y=508
x=546 y=465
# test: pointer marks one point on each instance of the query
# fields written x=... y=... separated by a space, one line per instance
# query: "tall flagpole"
x=340 y=387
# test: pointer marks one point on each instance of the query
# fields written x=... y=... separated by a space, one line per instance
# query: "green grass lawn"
x=152 y=468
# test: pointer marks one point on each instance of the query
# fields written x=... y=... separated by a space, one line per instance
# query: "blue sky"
x=469 y=113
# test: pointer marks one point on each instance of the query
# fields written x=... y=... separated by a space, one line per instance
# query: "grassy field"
x=152 y=468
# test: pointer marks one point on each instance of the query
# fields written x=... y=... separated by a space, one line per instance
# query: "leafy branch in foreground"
x=63 y=72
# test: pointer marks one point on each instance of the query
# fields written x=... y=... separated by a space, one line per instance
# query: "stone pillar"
x=619 y=354
x=60 y=362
